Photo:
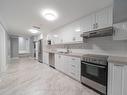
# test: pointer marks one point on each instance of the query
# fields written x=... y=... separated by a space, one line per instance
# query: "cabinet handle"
x=72 y=73
x=97 y=25
x=121 y=65
x=73 y=65
x=94 y=26
x=73 y=59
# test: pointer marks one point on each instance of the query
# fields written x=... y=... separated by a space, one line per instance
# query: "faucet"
x=68 y=50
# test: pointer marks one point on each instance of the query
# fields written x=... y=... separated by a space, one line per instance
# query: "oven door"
x=95 y=72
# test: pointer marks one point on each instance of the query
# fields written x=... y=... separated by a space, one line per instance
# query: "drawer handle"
x=121 y=65
x=73 y=66
x=72 y=73
x=73 y=59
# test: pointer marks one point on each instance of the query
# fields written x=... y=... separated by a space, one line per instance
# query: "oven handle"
x=94 y=65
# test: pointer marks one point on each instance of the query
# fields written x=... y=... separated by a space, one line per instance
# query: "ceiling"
x=20 y=15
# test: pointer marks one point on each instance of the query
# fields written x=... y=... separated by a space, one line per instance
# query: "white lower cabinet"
x=68 y=65
x=74 y=68
x=59 y=62
x=45 y=57
x=117 y=82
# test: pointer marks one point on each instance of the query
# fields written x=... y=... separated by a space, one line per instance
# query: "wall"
x=14 y=47
x=3 y=49
x=8 y=48
x=104 y=46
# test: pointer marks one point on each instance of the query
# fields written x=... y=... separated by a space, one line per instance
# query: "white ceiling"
x=20 y=15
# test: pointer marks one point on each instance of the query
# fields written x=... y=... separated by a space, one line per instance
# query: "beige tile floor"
x=28 y=77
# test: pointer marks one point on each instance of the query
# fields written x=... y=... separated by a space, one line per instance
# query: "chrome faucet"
x=68 y=50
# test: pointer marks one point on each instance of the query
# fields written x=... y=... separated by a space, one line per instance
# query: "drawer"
x=76 y=60
x=75 y=75
x=75 y=65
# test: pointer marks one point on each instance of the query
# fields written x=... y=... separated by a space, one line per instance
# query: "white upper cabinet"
x=72 y=32
x=104 y=18
x=87 y=23
x=98 y=20
x=120 y=31
x=77 y=31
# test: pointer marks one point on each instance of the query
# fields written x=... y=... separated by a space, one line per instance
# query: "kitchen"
x=90 y=50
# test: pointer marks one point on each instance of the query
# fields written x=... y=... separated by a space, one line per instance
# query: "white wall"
x=3 y=49
x=38 y=37
x=8 y=49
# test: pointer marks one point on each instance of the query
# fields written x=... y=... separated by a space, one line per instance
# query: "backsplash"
x=72 y=46
x=103 y=45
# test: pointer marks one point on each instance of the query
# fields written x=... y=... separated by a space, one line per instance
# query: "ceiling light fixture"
x=49 y=14
x=33 y=31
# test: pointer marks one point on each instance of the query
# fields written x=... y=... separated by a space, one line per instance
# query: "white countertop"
x=79 y=55
x=113 y=59
x=117 y=59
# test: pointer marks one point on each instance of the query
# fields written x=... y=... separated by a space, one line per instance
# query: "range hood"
x=98 y=33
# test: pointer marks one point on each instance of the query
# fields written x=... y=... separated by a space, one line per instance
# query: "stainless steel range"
x=94 y=69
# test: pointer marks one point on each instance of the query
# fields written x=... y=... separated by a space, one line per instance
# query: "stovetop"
x=95 y=58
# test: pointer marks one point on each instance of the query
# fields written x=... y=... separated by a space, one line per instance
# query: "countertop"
x=117 y=59
x=112 y=59
x=79 y=55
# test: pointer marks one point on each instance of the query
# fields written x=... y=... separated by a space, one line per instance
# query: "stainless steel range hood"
x=98 y=33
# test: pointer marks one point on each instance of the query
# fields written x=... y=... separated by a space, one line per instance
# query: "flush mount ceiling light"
x=49 y=14
x=33 y=31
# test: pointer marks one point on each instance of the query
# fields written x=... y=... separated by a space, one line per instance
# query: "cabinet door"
x=104 y=18
x=57 y=61
x=117 y=80
x=46 y=58
x=117 y=84
x=74 y=68
x=125 y=81
x=120 y=31
x=67 y=34
x=87 y=23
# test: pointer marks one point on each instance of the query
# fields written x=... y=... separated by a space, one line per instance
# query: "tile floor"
x=29 y=77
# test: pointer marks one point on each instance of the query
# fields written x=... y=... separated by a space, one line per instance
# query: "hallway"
x=28 y=77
